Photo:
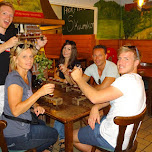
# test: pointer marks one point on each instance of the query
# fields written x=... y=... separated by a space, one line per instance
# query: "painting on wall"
x=27 y=8
x=126 y=21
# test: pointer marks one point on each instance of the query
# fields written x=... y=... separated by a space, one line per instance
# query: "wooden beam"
x=38 y=21
x=47 y=10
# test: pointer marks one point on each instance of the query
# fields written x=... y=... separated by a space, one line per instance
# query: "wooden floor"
x=144 y=136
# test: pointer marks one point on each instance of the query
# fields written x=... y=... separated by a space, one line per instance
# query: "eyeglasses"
x=23 y=46
x=134 y=48
x=99 y=81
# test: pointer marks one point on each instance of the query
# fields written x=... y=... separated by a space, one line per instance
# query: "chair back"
x=3 y=145
x=123 y=122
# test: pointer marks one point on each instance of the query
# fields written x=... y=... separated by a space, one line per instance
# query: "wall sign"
x=77 y=20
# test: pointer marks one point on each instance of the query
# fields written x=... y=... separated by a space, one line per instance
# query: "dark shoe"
x=62 y=147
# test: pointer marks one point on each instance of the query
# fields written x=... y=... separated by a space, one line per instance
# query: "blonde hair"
x=130 y=48
x=18 y=49
x=4 y=3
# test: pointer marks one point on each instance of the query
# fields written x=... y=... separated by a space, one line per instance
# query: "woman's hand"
x=94 y=117
x=12 y=42
x=41 y=43
x=39 y=110
x=46 y=89
x=63 y=68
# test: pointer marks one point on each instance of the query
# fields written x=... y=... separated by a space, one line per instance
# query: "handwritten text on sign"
x=77 y=20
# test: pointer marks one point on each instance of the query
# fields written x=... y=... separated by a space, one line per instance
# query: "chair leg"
x=31 y=150
x=80 y=123
x=93 y=149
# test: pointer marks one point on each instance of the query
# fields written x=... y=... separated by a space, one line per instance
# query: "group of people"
x=16 y=98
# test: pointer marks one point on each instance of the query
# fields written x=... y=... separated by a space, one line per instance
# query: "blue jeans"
x=39 y=137
x=92 y=137
x=60 y=128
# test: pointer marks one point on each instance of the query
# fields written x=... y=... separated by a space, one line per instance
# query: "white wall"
x=73 y=3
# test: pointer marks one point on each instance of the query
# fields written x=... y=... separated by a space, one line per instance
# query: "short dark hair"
x=3 y=3
x=100 y=47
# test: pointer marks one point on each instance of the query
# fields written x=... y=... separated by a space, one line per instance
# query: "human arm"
x=66 y=72
x=86 y=77
x=41 y=43
x=38 y=109
x=15 y=93
x=56 y=76
x=105 y=83
x=95 y=114
x=8 y=44
x=95 y=96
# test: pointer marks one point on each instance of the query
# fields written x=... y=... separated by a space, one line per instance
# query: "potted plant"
x=43 y=64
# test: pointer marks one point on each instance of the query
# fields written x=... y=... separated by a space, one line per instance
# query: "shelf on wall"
x=38 y=21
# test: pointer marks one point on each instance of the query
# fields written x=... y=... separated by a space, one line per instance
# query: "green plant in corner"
x=43 y=64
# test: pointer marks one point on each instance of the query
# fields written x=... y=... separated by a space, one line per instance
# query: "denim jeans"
x=60 y=128
x=39 y=137
x=92 y=137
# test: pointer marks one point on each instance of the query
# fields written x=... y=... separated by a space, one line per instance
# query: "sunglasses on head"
x=22 y=46
x=99 y=81
x=134 y=48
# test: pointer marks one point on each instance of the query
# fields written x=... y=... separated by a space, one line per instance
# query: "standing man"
x=6 y=42
x=103 y=71
x=126 y=95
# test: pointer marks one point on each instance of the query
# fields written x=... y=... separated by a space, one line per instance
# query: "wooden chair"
x=123 y=122
x=3 y=145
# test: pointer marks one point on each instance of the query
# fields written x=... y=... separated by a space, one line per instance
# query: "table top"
x=67 y=111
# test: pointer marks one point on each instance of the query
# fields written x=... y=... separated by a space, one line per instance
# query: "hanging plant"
x=43 y=64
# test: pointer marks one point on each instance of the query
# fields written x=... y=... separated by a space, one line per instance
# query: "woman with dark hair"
x=67 y=61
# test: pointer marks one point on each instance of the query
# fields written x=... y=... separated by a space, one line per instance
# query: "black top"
x=61 y=75
x=4 y=56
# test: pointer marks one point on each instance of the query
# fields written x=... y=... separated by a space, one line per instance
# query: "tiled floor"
x=144 y=136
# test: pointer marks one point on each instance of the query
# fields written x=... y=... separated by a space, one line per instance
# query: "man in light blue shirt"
x=103 y=71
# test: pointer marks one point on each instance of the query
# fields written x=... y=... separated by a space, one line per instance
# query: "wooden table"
x=146 y=73
x=67 y=113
